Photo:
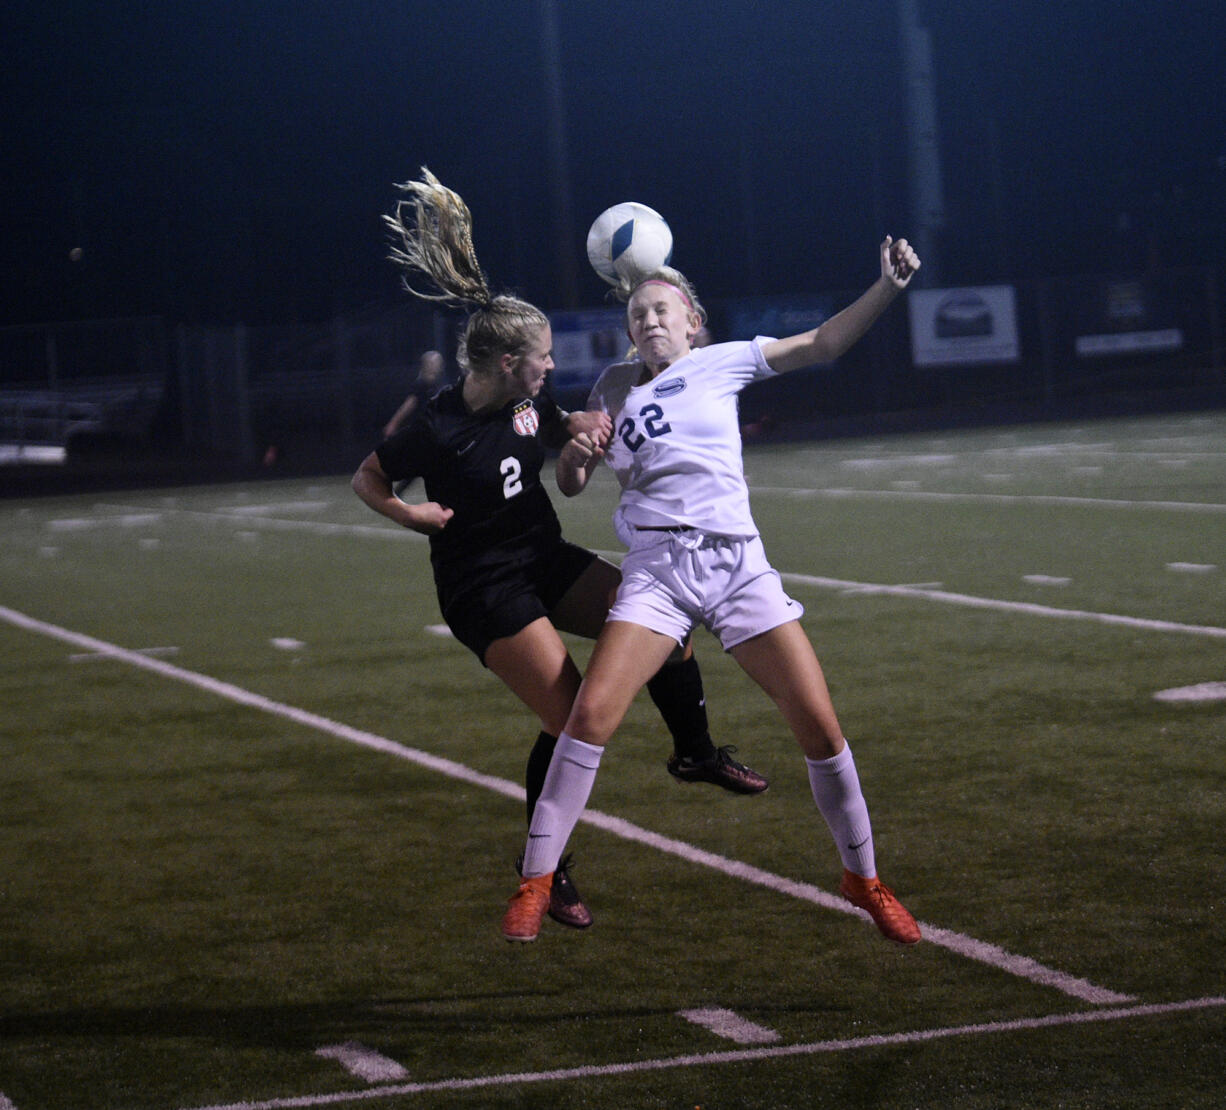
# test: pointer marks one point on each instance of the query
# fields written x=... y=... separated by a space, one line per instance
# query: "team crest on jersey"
x=525 y=419
x=669 y=388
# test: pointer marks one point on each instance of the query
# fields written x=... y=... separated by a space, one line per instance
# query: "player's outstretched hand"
x=898 y=262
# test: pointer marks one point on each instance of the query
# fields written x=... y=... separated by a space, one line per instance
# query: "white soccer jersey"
x=676 y=446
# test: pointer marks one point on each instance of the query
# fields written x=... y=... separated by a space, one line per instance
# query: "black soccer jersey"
x=487 y=469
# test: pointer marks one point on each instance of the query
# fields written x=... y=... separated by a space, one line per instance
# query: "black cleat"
x=721 y=769
x=565 y=905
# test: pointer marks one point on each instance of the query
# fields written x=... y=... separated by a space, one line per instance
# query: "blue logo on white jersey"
x=669 y=389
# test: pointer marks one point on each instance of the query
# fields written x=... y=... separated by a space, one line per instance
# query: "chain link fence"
x=202 y=400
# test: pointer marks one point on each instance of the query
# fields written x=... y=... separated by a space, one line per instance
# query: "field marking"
x=730 y=1025
x=89 y=656
x=918 y=591
x=132 y=519
x=1201 y=692
x=928 y=593
x=1047 y=499
x=967 y=947
x=1030 y=608
x=75 y=523
x=261 y=508
x=732 y=1056
x=276 y=524
x=1023 y=967
x=364 y=1062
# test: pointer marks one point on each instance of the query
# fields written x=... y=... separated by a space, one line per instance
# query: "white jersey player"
x=696 y=558
x=676 y=446
x=684 y=511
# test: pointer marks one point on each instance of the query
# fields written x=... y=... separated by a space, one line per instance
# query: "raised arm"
x=829 y=340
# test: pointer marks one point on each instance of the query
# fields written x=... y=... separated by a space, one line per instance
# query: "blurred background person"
x=428 y=382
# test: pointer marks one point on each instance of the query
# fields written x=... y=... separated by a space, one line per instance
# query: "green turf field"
x=260 y=817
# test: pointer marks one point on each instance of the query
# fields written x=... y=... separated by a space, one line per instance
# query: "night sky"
x=225 y=162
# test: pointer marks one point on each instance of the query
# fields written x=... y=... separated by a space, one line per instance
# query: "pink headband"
x=668 y=285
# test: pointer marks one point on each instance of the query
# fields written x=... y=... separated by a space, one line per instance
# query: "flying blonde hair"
x=431 y=233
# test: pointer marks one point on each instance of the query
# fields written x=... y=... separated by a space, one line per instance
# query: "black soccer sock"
x=676 y=688
x=538 y=766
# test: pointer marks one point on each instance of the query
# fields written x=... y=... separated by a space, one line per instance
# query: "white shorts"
x=674 y=581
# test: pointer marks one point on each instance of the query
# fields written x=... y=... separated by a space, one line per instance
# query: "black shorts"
x=502 y=600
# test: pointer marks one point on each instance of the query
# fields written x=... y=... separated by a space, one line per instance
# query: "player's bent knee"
x=593 y=724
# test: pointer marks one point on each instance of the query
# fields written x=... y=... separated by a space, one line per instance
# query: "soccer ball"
x=628 y=240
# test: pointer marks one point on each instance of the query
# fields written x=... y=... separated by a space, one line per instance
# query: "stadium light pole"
x=563 y=203
x=923 y=149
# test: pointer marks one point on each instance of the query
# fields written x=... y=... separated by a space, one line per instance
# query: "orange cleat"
x=526 y=909
x=878 y=901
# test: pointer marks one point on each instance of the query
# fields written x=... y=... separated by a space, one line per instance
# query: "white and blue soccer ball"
x=627 y=241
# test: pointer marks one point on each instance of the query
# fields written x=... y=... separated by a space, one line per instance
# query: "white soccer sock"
x=836 y=790
x=568 y=784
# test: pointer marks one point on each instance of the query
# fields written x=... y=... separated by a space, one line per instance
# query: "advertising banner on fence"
x=584 y=343
x=970 y=325
x=1125 y=317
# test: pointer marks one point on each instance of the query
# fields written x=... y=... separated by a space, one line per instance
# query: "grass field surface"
x=260 y=811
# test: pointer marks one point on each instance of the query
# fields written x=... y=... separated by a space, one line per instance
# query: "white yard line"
x=1029 y=608
x=90 y=656
x=280 y=524
x=841 y=494
x=965 y=946
x=261 y=508
x=387 y=531
x=918 y=591
x=733 y=1056
x=1021 y=966
x=135 y=518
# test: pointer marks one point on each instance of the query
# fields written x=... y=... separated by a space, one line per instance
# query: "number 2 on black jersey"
x=509 y=468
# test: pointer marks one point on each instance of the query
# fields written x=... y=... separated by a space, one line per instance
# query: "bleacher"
x=46 y=425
